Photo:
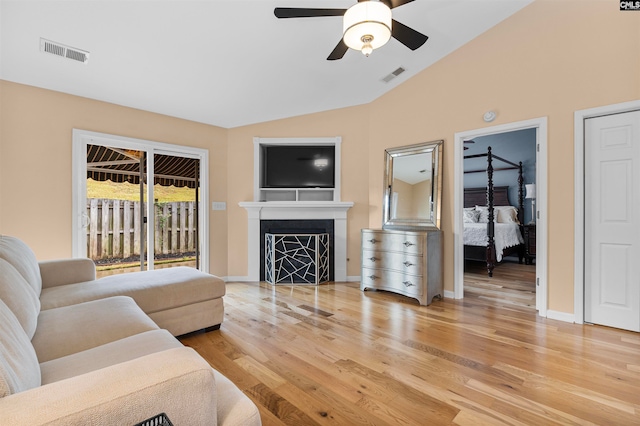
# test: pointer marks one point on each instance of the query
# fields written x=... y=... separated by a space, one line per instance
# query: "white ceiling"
x=224 y=62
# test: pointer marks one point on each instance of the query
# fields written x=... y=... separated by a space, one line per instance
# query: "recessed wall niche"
x=296 y=169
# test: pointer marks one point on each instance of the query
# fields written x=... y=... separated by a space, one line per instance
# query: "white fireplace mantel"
x=297 y=210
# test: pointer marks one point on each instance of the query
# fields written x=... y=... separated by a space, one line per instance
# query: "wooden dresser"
x=404 y=262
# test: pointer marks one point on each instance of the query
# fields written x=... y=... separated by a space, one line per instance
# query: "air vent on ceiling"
x=67 y=52
x=393 y=75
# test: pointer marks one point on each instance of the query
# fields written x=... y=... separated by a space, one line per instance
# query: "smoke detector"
x=64 y=51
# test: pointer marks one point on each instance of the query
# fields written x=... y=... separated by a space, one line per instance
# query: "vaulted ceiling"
x=224 y=62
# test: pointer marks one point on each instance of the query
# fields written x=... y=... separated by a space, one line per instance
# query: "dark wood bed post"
x=520 y=195
x=520 y=209
x=491 y=251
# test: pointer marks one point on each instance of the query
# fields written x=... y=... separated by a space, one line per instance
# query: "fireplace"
x=304 y=211
x=318 y=226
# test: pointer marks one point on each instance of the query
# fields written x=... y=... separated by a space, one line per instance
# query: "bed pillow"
x=501 y=214
x=483 y=212
x=507 y=214
x=470 y=215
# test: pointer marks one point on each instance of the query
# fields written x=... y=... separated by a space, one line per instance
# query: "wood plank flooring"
x=334 y=355
x=512 y=284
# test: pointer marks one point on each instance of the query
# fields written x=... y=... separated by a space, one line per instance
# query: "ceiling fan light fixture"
x=367 y=26
x=366 y=47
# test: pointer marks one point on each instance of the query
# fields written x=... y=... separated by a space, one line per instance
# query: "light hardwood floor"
x=333 y=354
x=512 y=284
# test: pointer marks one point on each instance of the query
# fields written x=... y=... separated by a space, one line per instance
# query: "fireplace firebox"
x=318 y=226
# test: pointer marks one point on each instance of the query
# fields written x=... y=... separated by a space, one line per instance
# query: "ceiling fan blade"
x=407 y=36
x=338 y=51
x=469 y=141
x=396 y=3
x=298 y=12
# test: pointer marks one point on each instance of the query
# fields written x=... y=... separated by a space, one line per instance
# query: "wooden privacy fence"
x=115 y=232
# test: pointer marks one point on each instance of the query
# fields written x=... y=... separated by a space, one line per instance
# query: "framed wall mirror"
x=413 y=187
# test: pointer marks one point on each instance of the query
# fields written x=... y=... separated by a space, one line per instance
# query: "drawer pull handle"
x=372 y=277
x=373 y=241
x=407 y=264
x=373 y=259
x=408 y=244
x=408 y=283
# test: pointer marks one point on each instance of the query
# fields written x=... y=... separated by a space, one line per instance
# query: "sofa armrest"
x=177 y=382
x=66 y=271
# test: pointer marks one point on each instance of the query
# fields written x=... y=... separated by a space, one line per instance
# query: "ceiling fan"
x=367 y=25
x=468 y=141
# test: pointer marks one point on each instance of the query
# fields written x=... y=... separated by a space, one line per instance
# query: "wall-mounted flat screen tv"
x=298 y=166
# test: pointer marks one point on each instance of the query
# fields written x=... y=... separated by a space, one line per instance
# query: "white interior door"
x=612 y=220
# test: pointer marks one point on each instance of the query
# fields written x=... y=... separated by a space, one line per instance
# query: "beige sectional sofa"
x=71 y=354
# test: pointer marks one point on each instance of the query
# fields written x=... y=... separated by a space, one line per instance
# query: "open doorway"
x=506 y=274
x=539 y=126
x=117 y=225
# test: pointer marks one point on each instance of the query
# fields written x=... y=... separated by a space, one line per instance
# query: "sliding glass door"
x=176 y=200
x=117 y=225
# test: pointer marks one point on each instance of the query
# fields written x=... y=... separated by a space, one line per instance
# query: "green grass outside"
x=131 y=192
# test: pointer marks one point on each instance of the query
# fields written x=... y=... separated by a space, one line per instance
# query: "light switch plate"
x=218 y=205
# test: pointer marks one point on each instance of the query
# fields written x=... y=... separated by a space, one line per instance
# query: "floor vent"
x=393 y=75
x=67 y=52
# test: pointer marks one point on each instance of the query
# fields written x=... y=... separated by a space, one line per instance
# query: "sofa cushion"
x=108 y=354
x=153 y=291
x=23 y=259
x=177 y=381
x=234 y=407
x=19 y=368
x=186 y=319
x=70 y=329
x=66 y=271
x=18 y=295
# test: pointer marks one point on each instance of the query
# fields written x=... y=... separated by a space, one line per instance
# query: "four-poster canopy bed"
x=492 y=226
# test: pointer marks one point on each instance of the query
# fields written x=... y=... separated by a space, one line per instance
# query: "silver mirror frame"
x=388 y=222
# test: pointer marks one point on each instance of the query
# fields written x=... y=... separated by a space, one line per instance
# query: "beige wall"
x=35 y=162
x=420 y=193
x=412 y=201
x=404 y=205
x=550 y=59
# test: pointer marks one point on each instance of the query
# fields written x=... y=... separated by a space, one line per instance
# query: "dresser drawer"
x=384 y=279
x=390 y=241
x=401 y=262
x=404 y=262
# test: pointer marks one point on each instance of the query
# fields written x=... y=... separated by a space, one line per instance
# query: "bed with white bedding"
x=492 y=225
x=506 y=235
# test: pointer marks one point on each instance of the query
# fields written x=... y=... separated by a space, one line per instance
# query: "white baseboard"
x=560 y=316
x=449 y=294
x=353 y=278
